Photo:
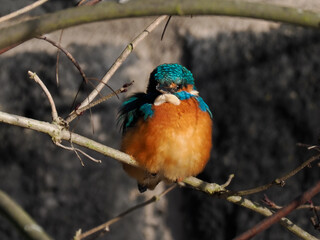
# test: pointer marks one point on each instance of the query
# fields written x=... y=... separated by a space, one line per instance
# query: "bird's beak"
x=165 y=88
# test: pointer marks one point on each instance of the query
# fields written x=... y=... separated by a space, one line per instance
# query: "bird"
x=167 y=129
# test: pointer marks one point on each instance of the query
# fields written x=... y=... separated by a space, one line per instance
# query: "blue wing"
x=137 y=106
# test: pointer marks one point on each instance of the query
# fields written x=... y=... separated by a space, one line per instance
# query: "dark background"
x=262 y=87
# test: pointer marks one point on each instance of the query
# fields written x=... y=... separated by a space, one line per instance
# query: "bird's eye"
x=179 y=86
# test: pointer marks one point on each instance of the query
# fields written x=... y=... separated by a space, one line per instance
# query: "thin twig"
x=315 y=220
x=309 y=147
x=70 y=149
x=81 y=2
x=76 y=150
x=270 y=203
x=266 y=200
x=79 y=111
x=279 y=181
x=108 y=86
x=126 y=52
x=59 y=44
x=76 y=110
x=227 y=183
x=68 y=54
x=9 y=47
x=88 y=156
x=88 y=3
x=308 y=206
x=263 y=225
x=105 y=226
x=58 y=58
x=22 y=10
x=54 y=112
x=165 y=28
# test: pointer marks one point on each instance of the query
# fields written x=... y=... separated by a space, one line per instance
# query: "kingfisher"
x=167 y=129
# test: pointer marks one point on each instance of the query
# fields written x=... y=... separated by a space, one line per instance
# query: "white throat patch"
x=166 y=97
x=195 y=92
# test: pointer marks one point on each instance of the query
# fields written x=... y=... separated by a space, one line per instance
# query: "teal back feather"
x=134 y=107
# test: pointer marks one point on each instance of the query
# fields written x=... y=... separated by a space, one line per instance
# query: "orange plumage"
x=175 y=143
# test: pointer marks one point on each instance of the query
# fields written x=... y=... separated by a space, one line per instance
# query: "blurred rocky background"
x=260 y=79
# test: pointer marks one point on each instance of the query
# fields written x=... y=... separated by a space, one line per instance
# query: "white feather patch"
x=166 y=97
x=194 y=92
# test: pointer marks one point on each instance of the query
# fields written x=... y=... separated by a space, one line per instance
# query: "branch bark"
x=266 y=223
x=37 y=26
x=59 y=133
x=27 y=226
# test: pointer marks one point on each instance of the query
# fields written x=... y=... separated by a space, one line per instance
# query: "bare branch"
x=79 y=111
x=103 y=228
x=22 y=10
x=309 y=147
x=273 y=205
x=126 y=52
x=227 y=183
x=68 y=54
x=279 y=181
x=58 y=58
x=9 y=47
x=23 y=222
x=76 y=150
x=165 y=28
x=306 y=196
x=47 y=23
x=89 y=2
x=316 y=218
x=54 y=112
x=270 y=203
x=210 y=188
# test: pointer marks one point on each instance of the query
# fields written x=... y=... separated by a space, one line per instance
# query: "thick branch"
x=111 y=10
x=58 y=133
x=27 y=226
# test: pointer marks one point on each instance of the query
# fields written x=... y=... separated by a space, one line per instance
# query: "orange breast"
x=175 y=141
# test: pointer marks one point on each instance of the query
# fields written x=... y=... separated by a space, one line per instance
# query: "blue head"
x=170 y=78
